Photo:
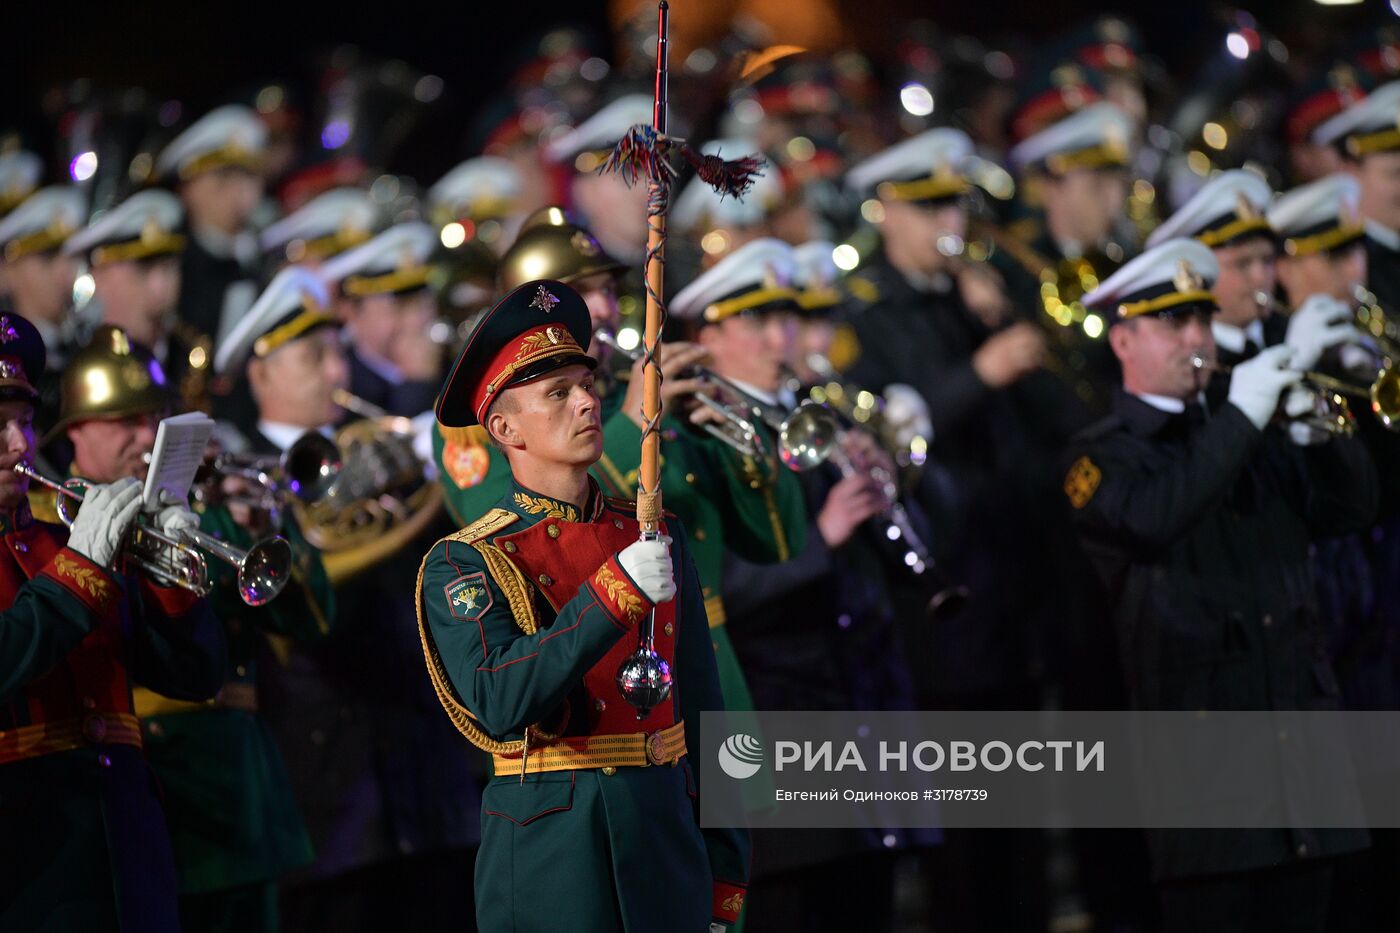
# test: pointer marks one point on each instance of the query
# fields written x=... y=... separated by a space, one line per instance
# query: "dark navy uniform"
x=1199 y=529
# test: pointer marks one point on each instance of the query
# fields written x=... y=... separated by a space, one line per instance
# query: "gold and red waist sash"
x=64 y=735
x=619 y=750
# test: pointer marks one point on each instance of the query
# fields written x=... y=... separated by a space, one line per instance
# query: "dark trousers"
x=249 y=909
x=986 y=881
x=406 y=895
x=853 y=893
x=1275 y=900
x=1366 y=890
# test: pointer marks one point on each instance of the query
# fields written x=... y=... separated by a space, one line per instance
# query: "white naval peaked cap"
x=479 y=188
x=1371 y=124
x=756 y=276
x=328 y=224
x=228 y=135
x=393 y=261
x=1092 y=136
x=43 y=221
x=293 y=304
x=1173 y=274
x=815 y=264
x=142 y=225
x=700 y=205
x=20 y=172
x=815 y=275
x=603 y=129
x=933 y=155
x=1230 y=205
x=1321 y=215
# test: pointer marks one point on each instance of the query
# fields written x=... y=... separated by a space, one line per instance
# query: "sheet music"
x=179 y=450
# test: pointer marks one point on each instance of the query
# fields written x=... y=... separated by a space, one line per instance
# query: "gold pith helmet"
x=553 y=245
x=111 y=377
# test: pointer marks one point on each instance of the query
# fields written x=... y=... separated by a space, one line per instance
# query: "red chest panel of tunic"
x=558 y=557
x=92 y=678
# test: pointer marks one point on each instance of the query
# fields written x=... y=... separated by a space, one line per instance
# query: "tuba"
x=381 y=496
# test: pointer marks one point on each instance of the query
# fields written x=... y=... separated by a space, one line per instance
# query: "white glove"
x=1320 y=323
x=424 y=427
x=907 y=411
x=1297 y=402
x=174 y=519
x=103 y=520
x=648 y=563
x=1255 y=384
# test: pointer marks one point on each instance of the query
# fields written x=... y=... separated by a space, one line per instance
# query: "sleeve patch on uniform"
x=466 y=464
x=468 y=597
x=1081 y=482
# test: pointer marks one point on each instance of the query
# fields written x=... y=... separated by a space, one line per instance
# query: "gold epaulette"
x=513 y=585
x=488 y=524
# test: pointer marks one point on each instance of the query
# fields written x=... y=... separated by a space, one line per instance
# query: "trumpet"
x=305 y=472
x=367 y=493
x=263 y=569
x=740 y=430
x=1331 y=411
x=909 y=448
x=813 y=436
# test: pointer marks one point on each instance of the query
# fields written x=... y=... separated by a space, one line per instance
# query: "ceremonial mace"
x=644 y=677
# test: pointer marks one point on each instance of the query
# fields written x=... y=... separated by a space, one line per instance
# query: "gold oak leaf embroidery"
x=734 y=902
x=551 y=509
x=619 y=592
x=86 y=578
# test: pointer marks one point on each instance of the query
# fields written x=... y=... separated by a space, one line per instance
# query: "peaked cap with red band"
x=539 y=327
x=22 y=358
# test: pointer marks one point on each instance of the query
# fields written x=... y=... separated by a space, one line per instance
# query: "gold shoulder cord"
x=511 y=582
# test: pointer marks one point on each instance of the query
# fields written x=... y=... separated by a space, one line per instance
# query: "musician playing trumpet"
x=1325 y=256
x=1228 y=215
x=377 y=775
x=817 y=631
x=114 y=394
x=1177 y=506
x=76 y=634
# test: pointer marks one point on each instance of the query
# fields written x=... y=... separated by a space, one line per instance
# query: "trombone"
x=263 y=569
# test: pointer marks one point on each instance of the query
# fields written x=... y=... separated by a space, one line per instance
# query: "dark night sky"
x=204 y=52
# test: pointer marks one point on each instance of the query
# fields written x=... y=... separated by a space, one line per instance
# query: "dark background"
x=206 y=53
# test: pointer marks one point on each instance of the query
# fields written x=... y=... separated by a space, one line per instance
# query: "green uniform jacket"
x=233 y=816
x=724 y=500
x=589 y=848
